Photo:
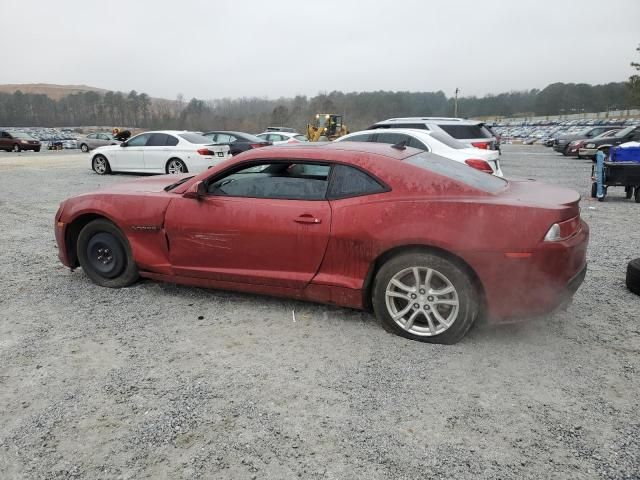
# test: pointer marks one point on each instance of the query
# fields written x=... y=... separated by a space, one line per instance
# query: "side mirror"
x=197 y=190
x=123 y=144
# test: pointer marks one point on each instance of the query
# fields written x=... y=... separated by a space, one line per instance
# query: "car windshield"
x=21 y=135
x=302 y=138
x=465 y=131
x=195 y=138
x=447 y=140
x=458 y=172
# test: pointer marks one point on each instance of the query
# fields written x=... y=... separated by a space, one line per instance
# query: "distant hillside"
x=56 y=92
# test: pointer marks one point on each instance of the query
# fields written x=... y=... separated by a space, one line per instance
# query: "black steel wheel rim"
x=106 y=255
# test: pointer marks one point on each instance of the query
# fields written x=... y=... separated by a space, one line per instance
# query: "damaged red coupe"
x=427 y=243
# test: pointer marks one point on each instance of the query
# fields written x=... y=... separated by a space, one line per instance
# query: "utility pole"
x=455 y=105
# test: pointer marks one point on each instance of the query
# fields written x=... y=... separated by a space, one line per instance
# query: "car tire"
x=36 y=150
x=100 y=165
x=84 y=147
x=637 y=194
x=175 y=166
x=633 y=276
x=565 y=151
x=443 y=316
x=594 y=190
x=16 y=148
x=105 y=256
x=628 y=192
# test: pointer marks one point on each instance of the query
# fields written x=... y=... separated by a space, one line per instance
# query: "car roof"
x=383 y=149
x=407 y=131
x=439 y=120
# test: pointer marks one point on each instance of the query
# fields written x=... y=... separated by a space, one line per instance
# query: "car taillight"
x=478 y=164
x=205 y=151
x=482 y=145
x=563 y=230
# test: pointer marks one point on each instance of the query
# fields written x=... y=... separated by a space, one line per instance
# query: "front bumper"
x=588 y=152
x=559 y=147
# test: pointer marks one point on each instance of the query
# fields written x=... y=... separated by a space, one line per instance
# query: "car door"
x=157 y=151
x=130 y=155
x=265 y=224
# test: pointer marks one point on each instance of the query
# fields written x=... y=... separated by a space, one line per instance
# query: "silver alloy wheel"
x=422 y=301
x=175 y=166
x=84 y=148
x=100 y=165
x=16 y=148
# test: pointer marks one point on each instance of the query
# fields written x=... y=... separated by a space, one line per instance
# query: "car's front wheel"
x=84 y=147
x=425 y=297
x=16 y=148
x=175 y=165
x=105 y=256
x=100 y=165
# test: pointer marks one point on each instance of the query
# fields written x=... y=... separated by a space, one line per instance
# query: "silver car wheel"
x=84 y=148
x=176 y=166
x=422 y=301
x=100 y=165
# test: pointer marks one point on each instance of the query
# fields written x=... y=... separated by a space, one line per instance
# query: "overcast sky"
x=279 y=48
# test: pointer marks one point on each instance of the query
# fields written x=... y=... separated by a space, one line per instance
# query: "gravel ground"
x=161 y=381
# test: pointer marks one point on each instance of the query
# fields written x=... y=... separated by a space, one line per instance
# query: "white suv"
x=472 y=133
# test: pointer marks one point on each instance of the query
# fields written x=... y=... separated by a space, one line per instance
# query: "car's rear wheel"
x=36 y=149
x=84 y=147
x=100 y=165
x=16 y=148
x=175 y=165
x=105 y=256
x=425 y=297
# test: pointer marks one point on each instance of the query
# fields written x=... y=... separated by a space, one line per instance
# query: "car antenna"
x=400 y=145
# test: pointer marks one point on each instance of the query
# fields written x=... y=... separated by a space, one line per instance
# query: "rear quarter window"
x=458 y=171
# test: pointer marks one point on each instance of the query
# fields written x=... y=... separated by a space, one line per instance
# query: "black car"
x=238 y=141
x=561 y=143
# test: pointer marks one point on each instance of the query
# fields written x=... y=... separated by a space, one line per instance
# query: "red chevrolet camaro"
x=427 y=243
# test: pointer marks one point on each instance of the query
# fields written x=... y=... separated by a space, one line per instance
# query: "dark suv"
x=18 y=141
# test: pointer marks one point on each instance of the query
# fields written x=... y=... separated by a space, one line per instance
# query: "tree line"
x=361 y=109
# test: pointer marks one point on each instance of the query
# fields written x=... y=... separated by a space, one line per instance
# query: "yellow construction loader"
x=327 y=126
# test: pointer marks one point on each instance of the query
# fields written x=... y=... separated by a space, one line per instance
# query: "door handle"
x=307 y=218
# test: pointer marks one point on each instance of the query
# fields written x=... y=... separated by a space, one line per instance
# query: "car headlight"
x=24 y=141
x=591 y=145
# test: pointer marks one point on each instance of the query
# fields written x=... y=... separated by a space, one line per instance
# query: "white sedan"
x=435 y=142
x=282 y=138
x=167 y=151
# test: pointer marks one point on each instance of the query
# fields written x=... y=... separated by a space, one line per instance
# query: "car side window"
x=223 y=138
x=139 y=141
x=351 y=182
x=276 y=180
x=92 y=136
x=391 y=138
x=157 y=140
x=171 y=141
x=415 y=143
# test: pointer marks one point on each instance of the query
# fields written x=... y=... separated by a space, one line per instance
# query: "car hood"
x=148 y=184
x=107 y=148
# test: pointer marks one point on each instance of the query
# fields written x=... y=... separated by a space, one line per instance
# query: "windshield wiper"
x=178 y=183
